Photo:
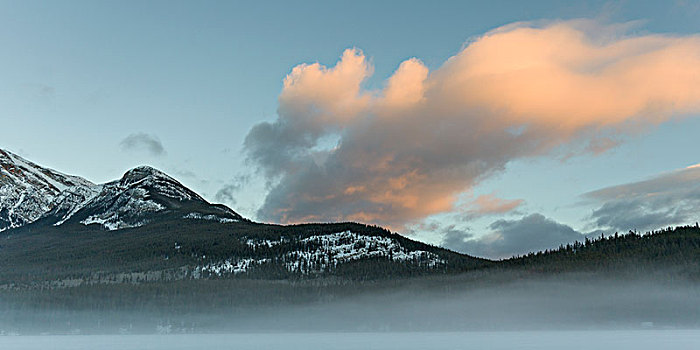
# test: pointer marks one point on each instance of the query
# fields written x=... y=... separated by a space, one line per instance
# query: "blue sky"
x=94 y=88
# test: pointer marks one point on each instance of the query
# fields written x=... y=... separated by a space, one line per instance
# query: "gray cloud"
x=226 y=194
x=46 y=92
x=142 y=142
x=507 y=238
x=666 y=200
x=397 y=155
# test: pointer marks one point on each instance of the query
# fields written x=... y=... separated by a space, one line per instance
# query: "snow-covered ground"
x=232 y=266
x=570 y=340
x=211 y=217
x=342 y=247
x=330 y=251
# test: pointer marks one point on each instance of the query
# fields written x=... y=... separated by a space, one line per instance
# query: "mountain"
x=28 y=191
x=141 y=196
x=147 y=226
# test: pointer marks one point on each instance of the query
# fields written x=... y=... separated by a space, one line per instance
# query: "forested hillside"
x=675 y=251
x=202 y=249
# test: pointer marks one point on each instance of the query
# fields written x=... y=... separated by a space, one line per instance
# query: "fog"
x=531 y=305
x=455 y=304
x=618 y=340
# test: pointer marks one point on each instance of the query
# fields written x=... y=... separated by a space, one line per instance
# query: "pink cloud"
x=489 y=204
x=408 y=150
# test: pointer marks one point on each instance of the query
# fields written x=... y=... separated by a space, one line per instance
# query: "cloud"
x=396 y=155
x=489 y=204
x=507 y=238
x=142 y=142
x=46 y=92
x=666 y=200
x=226 y=194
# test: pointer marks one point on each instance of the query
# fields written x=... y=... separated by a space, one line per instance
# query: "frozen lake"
x=618 y=340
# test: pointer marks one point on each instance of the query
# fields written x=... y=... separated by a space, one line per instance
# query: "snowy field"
x=618 y=340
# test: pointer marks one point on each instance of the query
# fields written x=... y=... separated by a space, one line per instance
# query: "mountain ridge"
x=30 y=193
x=148 y=223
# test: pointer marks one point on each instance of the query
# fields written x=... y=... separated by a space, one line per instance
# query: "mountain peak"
x=142 y=196
x=141 y=172
x=156 y=181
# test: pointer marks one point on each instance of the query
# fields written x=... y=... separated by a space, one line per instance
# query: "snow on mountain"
x=211 y=217
x=116 y=207
x=130 y=201
x=70 y=201
x=342 y=247
x=228 y=266
x=28 y=191
x=323 y=253
x=157 y=181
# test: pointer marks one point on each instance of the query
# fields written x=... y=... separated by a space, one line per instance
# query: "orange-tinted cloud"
x=409 y=150
x=489 y=204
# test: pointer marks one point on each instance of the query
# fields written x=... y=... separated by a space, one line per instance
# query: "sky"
x=492 y=128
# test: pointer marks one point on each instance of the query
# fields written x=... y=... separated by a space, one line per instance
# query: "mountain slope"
x=141 y=196
x=28 y=191
x=194 y=248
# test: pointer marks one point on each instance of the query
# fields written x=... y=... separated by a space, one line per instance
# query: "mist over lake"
x=544 y=340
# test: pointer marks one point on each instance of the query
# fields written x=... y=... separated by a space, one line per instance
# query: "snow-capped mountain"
x=142 y=194
x=28 y=191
